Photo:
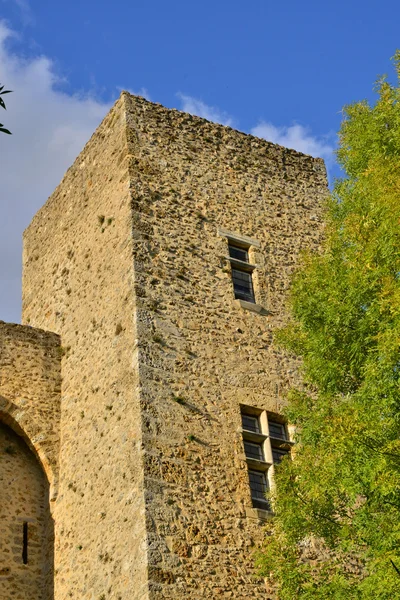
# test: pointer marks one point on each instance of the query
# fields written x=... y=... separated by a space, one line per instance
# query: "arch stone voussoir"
x=38 y=440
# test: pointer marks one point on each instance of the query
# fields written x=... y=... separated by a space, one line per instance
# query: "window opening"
x=241 y=273
x=277 y=430
x=259 y=489
x=239 y=253
x=242 y=285
x=278 y=454
x=265 y=442
x=25 y=543
x=254 y=451
x=251 y=423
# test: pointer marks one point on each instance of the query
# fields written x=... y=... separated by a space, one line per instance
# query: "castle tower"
x=162 y=261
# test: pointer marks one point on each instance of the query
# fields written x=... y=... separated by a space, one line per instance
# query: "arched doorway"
x=26 y=526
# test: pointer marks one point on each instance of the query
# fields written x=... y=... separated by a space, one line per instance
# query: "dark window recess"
x=278 y=454
x=253 y=450
x=242 y=285
x=25 y=543
x=250 y=423
x=277 y=430
x=238 y=253
x=259 y=488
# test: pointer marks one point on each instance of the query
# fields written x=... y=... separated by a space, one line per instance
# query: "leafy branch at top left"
x=3 y=105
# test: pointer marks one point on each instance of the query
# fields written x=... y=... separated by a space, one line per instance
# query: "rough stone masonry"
x=128 y=289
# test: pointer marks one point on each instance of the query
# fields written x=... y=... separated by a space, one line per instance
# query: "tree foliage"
x=3 y=105
x=342 y=490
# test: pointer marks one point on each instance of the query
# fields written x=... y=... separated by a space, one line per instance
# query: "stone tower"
x=161 y=262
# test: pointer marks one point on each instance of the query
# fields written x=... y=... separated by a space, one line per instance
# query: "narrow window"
x=266 y=442
x=277 y=430
x=253 y=441
x=25 y=543
x=278 y=454
x=242 y=285
x=259 y=489
x=238 y=253
x=279 y=440
x=241 y=273
x=250 y=423
x=253 y=450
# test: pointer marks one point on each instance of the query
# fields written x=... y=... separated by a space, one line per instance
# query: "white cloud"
x=49 y=128
x=194 y=106
x=297 y=137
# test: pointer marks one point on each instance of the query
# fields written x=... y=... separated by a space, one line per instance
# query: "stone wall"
x=78 y=282
x=201 y=355
x=30 y=386
x=26 y=528
x=127 y=261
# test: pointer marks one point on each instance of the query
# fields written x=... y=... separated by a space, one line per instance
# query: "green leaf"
x=336 y=533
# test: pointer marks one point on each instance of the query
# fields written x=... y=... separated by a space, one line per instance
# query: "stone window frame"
x=250 y=244
x=269 y=445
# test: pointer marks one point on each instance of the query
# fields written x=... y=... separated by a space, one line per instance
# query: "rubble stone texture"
x=127 y=263
x=30 y=381
x=24 y=504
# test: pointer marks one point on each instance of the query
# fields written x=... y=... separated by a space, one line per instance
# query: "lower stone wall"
x=26 y=529
x=30 y=384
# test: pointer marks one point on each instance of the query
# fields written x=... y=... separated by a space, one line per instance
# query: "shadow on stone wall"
x=27 y=527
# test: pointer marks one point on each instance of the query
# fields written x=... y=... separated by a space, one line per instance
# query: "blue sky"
x=279 y=70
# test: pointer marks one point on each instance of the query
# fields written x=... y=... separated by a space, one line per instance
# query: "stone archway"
x=26 y=525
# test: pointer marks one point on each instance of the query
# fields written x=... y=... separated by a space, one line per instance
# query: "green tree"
x=3 y=105
x=342 y=490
